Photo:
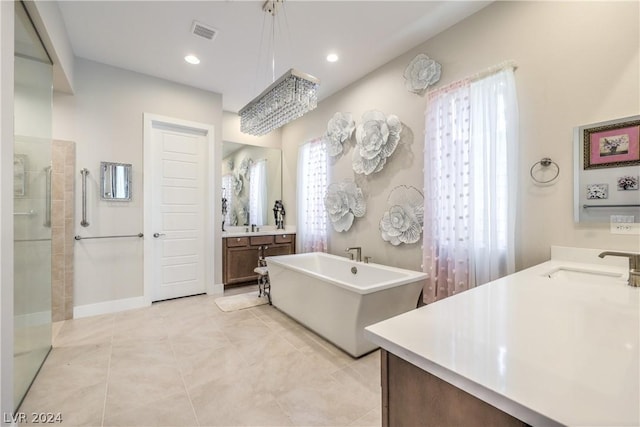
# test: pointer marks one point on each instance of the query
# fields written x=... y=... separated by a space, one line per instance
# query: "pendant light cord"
x=273 y=47
x=255 y=81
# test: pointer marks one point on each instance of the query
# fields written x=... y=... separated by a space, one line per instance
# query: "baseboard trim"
x=107 y=307
x=218 y=288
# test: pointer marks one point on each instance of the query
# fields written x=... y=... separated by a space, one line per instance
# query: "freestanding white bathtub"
x=326 y=294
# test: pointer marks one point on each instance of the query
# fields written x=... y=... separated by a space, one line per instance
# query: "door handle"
x=156 y=235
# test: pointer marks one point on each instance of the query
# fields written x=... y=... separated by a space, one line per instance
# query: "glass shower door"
x=32 y=203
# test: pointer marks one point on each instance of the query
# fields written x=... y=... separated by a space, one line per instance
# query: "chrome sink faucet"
x=358 y=250
x=634 y=265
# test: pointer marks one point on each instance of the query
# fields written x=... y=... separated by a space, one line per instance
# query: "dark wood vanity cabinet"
x=240 y=255
x=414 y=397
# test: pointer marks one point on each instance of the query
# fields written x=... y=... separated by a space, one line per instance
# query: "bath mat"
x=240 y=301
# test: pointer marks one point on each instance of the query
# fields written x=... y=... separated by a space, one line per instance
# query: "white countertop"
x=547 y=351
x=264 y=231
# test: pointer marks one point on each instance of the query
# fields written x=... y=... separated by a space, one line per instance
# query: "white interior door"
x=178 y=192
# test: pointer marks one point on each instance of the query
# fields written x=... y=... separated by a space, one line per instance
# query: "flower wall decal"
x=402 y=223
x=344 y=202
x=421 y=73
x=236 y=184
x=245 y=165
x=376 y=139
x=339 y=129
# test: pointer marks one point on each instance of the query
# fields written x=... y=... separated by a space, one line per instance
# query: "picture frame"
x=615 y=144
x=597 y=191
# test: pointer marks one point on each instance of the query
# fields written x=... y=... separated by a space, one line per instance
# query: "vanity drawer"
x=283 y=238
x=261 y=240
x=233 y=242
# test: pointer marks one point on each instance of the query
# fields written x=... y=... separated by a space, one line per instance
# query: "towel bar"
x=108 y=237
x=610 y=206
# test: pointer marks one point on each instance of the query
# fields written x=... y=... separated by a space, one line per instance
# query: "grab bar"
x=610 y=206
x=28 y=213
x=47 y=202
x=109 y=237
x=84 y=172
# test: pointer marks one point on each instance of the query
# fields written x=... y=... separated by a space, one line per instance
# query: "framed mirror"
x=607 y=171
x=251 y=183
x=115 y=181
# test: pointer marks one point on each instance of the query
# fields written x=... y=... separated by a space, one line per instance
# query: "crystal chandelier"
x=291 y=96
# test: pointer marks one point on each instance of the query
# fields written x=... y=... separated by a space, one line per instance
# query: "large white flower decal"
x=339 y=129
x=421 y=73
x=236 y=184
x=376 y=139
x=245 y=165
x=402 y=223
x=344 y=202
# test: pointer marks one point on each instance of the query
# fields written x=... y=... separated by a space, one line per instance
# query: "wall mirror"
x=251 y=183
x=115 y=181
x=607 y=171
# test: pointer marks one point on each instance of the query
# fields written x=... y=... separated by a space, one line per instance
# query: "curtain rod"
x=474 y=77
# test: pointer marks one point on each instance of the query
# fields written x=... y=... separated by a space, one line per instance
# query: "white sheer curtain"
x=494 y=132
x=258 y=193
x=447 y=179
x=312 y=186
x=227 y=192
x=470 y=183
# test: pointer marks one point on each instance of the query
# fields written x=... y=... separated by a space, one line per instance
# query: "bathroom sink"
x=585 y=275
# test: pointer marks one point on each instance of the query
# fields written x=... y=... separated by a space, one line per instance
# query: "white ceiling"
x=152 y=37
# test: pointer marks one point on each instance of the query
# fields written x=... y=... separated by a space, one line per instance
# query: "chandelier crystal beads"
x=291 y=96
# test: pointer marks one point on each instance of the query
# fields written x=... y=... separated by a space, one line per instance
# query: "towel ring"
x=545 y=162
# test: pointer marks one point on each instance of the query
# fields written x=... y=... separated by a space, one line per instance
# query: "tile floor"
x=186 y=363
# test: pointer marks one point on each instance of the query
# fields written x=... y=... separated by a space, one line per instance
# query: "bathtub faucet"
x=358 y=250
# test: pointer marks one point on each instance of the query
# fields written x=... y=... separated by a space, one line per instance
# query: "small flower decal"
x=402 y=223
x=344 y=202
x=339 y=129
x=628 y=182
x=376 y=139
x=421 y=73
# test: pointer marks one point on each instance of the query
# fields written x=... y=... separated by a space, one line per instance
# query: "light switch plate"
x=623 y=224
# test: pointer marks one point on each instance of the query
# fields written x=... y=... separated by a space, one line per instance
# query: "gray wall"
x=573 y=69
x=105 y=119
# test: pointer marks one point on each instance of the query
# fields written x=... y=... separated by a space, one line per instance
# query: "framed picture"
x=613 y=145
x=628 y=182
x=597 y=191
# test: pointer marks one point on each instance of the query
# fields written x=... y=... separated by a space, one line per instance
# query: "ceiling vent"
x=202 y=30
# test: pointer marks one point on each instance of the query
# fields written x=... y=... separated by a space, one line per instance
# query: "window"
x=312 y=187
x=471 y=144
x=258 y=193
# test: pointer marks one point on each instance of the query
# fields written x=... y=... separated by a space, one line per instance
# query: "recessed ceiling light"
x=332 y=57
x=192 y=59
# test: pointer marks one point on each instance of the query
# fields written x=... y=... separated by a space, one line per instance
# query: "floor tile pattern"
x=184 y=362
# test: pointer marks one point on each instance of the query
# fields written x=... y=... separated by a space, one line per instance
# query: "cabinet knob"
x=238 y=239
x=284 y=236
